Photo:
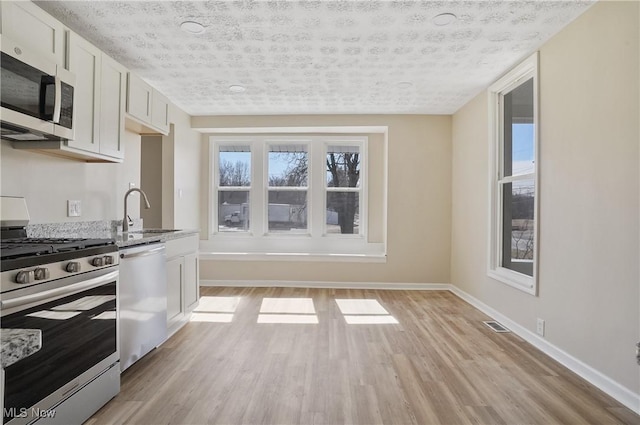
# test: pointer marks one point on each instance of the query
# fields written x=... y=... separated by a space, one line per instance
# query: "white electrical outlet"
x=540 y=327
x=74 y=208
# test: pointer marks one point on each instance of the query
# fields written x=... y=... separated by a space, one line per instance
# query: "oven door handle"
x=60 y=292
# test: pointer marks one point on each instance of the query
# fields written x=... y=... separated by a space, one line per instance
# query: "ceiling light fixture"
x=444 y=19
x=237 y=89
x=192 y=27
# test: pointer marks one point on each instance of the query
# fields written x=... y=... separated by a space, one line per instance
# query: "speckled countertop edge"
x=17 y=344
x=107 y=229
x=134 y=238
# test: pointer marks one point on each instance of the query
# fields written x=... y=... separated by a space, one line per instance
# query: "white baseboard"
x=596 y=378
x=326 y=285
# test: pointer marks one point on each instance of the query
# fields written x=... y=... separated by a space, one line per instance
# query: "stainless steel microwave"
x=36 y=96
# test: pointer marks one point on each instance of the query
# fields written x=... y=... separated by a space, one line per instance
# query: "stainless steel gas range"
x=61 y=293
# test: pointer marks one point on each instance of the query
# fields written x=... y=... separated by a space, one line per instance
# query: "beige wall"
x=419 y=204
x=589 y=278
x=47 y=182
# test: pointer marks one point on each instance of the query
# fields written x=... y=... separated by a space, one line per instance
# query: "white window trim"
x=525 y=70
x=266 y=143
x=316 y=244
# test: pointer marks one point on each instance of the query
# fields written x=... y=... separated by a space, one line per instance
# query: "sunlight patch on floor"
x=364 y=312
x=215 y=309
x=287 y=305
x=287 y=310
x=360 y=306
x=218 y=304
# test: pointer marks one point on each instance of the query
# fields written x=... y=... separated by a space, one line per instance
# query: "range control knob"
x=97 y=262
x=24 y=277
x=73 y=267
x=108 y=260
x=41 y=273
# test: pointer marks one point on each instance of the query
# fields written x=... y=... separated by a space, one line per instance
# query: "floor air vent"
x=495 y=326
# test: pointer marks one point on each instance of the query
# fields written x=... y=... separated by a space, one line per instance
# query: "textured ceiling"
x=318 y=57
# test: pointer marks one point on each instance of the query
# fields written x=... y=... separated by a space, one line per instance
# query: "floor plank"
x=438 y=365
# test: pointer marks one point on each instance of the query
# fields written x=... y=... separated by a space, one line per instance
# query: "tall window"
x=289 y=194
x=288 y=184
x=342 y=214
x=233 y=187
x=513 y=177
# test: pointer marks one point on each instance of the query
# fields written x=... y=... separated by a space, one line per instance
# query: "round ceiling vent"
x=192 y=27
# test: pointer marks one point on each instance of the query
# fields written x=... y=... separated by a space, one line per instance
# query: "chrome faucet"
x=125 y=220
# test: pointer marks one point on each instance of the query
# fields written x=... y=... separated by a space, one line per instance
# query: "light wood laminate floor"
x=438 y=365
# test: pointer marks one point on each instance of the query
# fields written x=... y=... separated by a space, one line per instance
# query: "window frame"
x=315 y=241
x=267 y=143
x=215 y=184
x=513 y=79
x=361 y=190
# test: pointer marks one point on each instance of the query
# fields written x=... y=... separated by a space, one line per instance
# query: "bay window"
x=290 y=195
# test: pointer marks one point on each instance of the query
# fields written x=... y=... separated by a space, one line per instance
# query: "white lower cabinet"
x=183 y=289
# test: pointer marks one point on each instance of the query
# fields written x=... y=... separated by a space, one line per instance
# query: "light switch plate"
x=74 y=208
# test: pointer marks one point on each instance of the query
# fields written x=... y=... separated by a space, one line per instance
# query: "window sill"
x=514 y=279
x=293 y=256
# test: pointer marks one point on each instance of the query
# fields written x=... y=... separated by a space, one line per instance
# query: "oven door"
x=76 y=320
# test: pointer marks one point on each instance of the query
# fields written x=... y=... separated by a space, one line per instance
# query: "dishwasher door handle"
x=143 y=253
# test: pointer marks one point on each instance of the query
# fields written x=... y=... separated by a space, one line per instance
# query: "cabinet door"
x=33 y=29
x=139 y=98
x=191 y=282
x=160 y=112
x=113 y=89
x=175 y=275
x=84 y=61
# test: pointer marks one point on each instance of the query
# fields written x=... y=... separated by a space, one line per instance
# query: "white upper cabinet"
x=84 y=61
x=33 y=29
x=160 y=112
x=99 y=99
x=113 y=84
x=147 y=106
x=139 y=98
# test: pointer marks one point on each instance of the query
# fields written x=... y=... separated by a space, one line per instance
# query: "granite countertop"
x=107 y=230
x=18 y=344
x=147 y=236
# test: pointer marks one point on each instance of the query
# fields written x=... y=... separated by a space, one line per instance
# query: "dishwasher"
x=142 y=301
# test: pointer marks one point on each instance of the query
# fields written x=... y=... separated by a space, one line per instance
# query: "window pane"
x=233 y=211
x=287 y=211
x=235 y=166
x=518 y=131
x=343 y=166
x=517 y=226
x=343 y=212
x=288 y=165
